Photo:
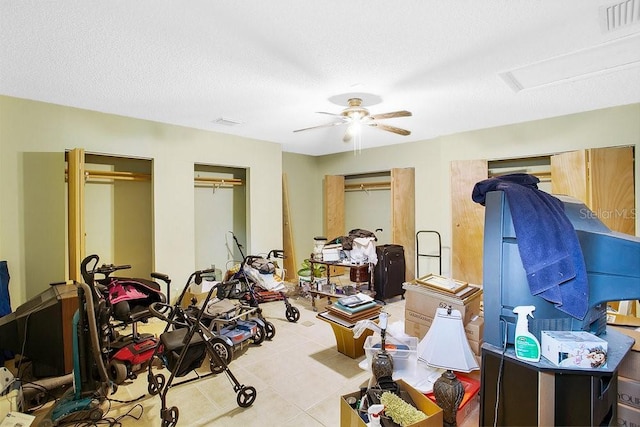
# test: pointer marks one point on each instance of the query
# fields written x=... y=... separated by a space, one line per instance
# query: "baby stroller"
x=127 y=302
x=185 y=343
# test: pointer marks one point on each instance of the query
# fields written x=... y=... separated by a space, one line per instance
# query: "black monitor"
x=612 y=263
x=41 y=331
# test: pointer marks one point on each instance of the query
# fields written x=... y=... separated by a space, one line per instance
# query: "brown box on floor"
x=421 y=300
x=349 y=417
x=630 y=365
x=627 y=416
x=629 y=392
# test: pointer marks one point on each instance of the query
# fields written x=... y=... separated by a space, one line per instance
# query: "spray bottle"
x=526 y=344
x=374 y=412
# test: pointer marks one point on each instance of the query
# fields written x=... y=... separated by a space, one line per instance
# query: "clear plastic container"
x=405 y=354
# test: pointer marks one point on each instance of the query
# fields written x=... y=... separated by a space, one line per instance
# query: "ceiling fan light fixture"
x=355 y=115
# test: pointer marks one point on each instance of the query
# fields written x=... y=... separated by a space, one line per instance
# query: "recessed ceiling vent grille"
x=619 y=15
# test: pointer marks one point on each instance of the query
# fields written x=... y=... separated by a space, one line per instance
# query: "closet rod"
x=368 y=186
x=117 y=176
x=92 y=175
x=221 y=182
x=542 y=176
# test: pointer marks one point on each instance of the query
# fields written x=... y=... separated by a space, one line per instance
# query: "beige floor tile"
x=299 y=377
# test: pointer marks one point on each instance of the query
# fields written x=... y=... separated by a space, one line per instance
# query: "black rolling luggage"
x=388 y=275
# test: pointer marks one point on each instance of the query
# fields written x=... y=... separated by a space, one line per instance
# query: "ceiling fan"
x=356 y=116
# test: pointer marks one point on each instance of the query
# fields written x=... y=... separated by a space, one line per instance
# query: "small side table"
x=346 y=343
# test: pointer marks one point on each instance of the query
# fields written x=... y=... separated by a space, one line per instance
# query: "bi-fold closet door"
x=602 y=178
x=109 y=212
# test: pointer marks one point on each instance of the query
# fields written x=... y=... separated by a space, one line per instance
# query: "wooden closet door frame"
x=75 y=221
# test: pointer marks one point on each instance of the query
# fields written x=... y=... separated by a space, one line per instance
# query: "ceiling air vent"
x=619 y=15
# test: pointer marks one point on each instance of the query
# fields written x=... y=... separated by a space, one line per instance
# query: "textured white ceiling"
x=273 y=64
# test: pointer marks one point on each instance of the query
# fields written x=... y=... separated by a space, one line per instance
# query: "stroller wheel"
x=156 y=382
x=292 y=314
x=222 y=349
x=270 y=330
x=246 y=396
x=260 y=335
x=170 y=417
x=117 y=371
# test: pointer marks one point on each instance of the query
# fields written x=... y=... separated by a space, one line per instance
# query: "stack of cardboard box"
x=628 y=371
x=422 y=300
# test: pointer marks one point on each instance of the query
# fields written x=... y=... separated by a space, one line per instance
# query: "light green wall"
x=431 y=159
x=28 y=126
x=35 y=127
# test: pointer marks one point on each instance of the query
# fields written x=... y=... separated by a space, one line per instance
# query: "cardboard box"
x=630 y=366
x=420 y=299
x=476 y=346
x=346 y=343
x=628 y=416
x=475 y=329
x=631 y=332
x=416 y=324
x=188 y=297
x=573 y=349
x=349 y=417
x=629 y=392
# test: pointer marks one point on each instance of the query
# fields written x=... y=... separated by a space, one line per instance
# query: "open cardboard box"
x=349 y=417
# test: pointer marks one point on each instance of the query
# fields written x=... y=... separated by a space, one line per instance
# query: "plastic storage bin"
x=404 y=353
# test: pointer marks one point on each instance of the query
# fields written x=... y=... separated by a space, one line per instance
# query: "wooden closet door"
x=569 y=175
x=602 y=178
x=333 y=206
x=403 y=216
x=612 y=187
x=467 y=221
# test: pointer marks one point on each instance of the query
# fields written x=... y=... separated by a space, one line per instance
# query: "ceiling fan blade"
x=330 y=114
x=391 y=129
x=326 y=125
x=391 y=115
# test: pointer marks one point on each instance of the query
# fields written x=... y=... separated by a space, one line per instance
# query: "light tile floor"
x=299 y=376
